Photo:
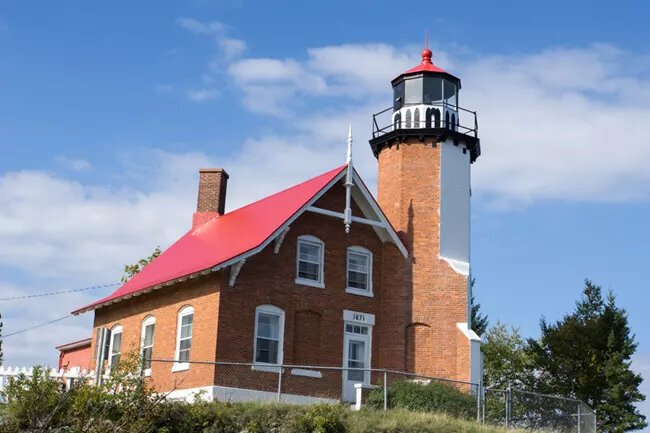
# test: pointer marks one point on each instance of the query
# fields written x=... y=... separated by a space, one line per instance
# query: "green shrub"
x=431 y=397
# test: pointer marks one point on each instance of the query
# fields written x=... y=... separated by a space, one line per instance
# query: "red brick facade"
x=436 y=300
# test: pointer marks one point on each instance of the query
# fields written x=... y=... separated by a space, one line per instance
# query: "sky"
x=108 y=110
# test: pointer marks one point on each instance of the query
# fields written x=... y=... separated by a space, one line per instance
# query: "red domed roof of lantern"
x=426 y=66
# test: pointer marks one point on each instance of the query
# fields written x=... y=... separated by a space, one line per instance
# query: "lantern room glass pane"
x=413 y=91
x=451 y=93
x=398 y=96
x=432 y=90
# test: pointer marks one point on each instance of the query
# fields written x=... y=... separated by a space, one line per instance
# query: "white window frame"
x=269 y=309
x=321 y=268
x=117 y=329
x=185 y=311
x=355 y=290
x=149 y=320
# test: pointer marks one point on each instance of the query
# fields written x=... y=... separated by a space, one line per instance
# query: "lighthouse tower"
x=425 y=145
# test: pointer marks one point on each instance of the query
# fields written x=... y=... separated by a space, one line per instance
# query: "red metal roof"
x=221 y=239
x=426 y=66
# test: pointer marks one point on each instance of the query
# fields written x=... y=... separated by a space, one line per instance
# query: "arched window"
x=359 y=271
x=408 y=118
x=453 y=121
x=416 y=118
x=184 y=338
x=269 y=335
x=146 y=342
x=446 y=119
x=397 y=121
x=427 y=118
x=436 y=118
x=309 y=261
x=115 y=346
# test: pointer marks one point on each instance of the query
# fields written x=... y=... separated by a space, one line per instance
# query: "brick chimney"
x=211 y=202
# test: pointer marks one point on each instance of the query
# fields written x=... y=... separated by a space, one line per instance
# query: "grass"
x=405 y=421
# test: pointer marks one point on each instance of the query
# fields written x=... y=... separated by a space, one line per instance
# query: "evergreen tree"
x=131 y=270
x=587 y=355
x=478 y=320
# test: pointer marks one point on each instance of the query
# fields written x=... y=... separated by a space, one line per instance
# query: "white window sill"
x=360 y=292
x=180 y=366
x=266 y=367
x=306 y=373
x=310 y=283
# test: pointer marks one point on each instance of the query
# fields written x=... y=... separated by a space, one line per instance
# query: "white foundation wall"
x=455 y=206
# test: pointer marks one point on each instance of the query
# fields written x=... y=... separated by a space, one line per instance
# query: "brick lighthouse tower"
x=425 y=146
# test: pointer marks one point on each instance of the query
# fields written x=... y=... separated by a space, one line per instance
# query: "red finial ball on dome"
x=426 y=56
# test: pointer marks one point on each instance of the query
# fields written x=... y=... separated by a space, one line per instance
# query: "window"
x=269 y=330
x=146 y=343
x=413 y=91
x=115 y=346
x=310 y=261
x=359 y=271
x=398 y=96
x=432 y=90
x=184 y=338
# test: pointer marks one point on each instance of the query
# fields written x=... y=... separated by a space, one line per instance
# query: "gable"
x=227 y=240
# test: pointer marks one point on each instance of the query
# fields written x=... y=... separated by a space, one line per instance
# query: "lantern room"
x=425 y=96
x=425 y=103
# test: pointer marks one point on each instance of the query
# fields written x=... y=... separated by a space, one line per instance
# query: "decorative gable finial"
x=349 y=158
x=347 y=214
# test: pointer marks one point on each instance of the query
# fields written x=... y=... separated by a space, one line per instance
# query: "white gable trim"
x=386 y=230
x=379 y=214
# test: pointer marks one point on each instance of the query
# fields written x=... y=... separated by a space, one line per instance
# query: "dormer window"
x=310 y=258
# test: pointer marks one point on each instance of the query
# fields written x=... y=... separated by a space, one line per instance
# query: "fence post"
x=484 y=391
x=508 y=397
x=479 y=393
x=595 y=423
x=280 y=383
x=578 y=417
x=385 y=390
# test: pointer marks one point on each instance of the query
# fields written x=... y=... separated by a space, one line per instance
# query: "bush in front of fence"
x=219 y=417
x=425 y=397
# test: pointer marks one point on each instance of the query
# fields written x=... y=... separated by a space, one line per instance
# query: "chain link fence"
x=372 y=389
x=379 y=389
x=514 y=408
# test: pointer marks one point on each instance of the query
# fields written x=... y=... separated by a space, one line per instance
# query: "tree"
x=478 y=320
x=506 y=358
x=131 y=270
x=587 y=355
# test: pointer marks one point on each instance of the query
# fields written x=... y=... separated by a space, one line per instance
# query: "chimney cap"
x=214 y=170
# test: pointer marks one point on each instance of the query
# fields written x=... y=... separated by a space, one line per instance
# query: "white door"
x=356 y=354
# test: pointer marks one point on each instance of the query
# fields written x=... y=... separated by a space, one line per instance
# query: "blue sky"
x=108 y=110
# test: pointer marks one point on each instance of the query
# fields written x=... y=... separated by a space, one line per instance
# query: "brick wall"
x=409 y=194
x=201 y=293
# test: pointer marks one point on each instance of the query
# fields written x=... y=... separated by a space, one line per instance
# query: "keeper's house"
x=320 y=274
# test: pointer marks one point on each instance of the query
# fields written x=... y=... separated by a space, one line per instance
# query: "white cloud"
x=203 y=94
x=228 y=46
x=75 y=164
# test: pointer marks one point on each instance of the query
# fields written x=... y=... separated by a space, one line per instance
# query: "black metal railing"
x=383 y=122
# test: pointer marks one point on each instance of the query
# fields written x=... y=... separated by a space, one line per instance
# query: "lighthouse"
x=425 y=144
